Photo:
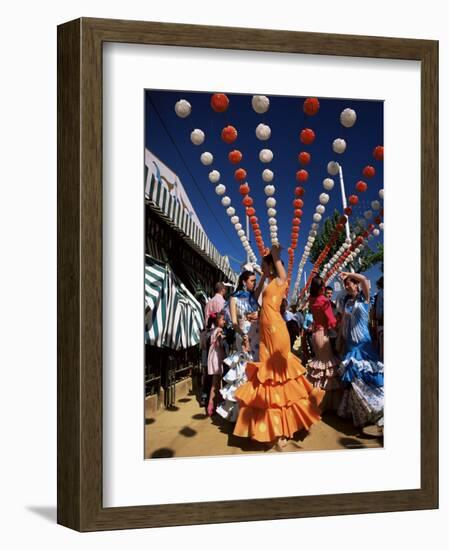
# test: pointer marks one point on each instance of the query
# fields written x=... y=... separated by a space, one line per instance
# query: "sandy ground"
x=185 y=430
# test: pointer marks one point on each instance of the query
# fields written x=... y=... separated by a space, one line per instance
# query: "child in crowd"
x=216 y=323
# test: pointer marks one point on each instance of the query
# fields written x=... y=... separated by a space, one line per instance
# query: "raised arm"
x=280 y=270
x=259 y=287
x=361 y=280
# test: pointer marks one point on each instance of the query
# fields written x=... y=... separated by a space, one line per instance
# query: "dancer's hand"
x=344 y=274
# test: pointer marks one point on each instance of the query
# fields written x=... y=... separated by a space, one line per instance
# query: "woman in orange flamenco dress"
x=278 y=400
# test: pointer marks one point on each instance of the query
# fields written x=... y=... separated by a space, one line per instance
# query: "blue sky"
x=286 y=119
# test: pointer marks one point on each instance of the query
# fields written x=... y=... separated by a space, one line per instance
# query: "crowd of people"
x=274 y=369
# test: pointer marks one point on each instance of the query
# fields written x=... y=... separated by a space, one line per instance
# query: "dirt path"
x=185 y=430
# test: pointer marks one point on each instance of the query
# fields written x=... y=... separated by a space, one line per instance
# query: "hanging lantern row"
x=348 y=118
x=350 y=250
x=335 y=264
x=328 y=185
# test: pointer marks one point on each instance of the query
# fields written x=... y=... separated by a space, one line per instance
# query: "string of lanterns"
x=220 y=103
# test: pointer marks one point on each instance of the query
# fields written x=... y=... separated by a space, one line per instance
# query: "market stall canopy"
x=173 y=316
x=166 y=195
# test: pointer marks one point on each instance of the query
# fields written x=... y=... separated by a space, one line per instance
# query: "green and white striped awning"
x=173 y=316
x=170 y=208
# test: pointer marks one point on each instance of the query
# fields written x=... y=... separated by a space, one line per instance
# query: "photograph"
x=262 y=291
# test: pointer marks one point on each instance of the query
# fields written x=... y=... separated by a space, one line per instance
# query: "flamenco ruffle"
x=359 y=364
x=324 y=374
x=234 y=378
x=277 y=370
x=275 y=403
x=362 y=402
x=265 y=425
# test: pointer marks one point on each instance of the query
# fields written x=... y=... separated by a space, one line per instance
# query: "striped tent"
x=173 y=317
x=170 y=207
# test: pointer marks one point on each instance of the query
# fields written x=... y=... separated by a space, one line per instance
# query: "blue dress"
x=361 y=371
x=236 y=375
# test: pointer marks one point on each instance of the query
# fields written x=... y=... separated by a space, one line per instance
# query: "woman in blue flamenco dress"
x=243 y=312
x=361 y=371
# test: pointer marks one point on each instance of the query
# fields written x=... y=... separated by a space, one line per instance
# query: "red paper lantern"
x=294 y=245
x=307 y=136
x=311 y=106
x=361 y=186
x=256 y=226
x=250 y=211
x=297 y=203
x=378 y=219
x=244 y=189
x=229 y=134
x=365 y=234
x=369 y=171
x=378 y=152
x=302 y=175
x=257 y=232
x=295 y=221
x=219 y=102
x=371 y=226
x=290 y=251
x=299 y=191
x=253 y=219
x=343 y=219
x=304 y=157
x=235 y=156
x=348 y=210
x=359 y=240
x=353 y=199
x=247 y=201
x=297 y=212
x=240 y=174
x=295 y=230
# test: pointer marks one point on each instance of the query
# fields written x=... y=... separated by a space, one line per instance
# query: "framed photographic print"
x=223 y=250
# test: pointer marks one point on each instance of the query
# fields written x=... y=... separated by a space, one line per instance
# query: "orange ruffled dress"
x=277 y=400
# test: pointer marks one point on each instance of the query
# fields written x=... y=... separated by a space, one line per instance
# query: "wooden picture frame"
x=80 y=504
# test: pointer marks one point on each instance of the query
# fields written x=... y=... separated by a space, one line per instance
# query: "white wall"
x=28 y=270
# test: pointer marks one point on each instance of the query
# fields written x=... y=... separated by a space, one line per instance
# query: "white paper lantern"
x=317 y=217
x=235 y=220
x=214 y=176
x=345 y=246
x=328 y=184
x=240 y=232
x=272 y=221
x=338 y=253
x=320 y=209
x=197 y=137
x=238 y=226
x=269 y=190
x=307 y=247
x=368 y=214
x=267 y=175
x=381 y=226
x=273 y=228
x=207 y=158
x=357 y=250
x=375 y=205
x=266 y=155
x=263 y=132
x=324 y=198
x=243 y=238
x=339 y=146
x=225 y=201
x=312 y=233
x=381 y=193
x=332 y=168
x=348 y=118
x=230 y=211
x=314 y=226
x=376 y=232
x=270 y=202
x=221 y=190
x=183 y=108
x=260 y=103
x=271 y=212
